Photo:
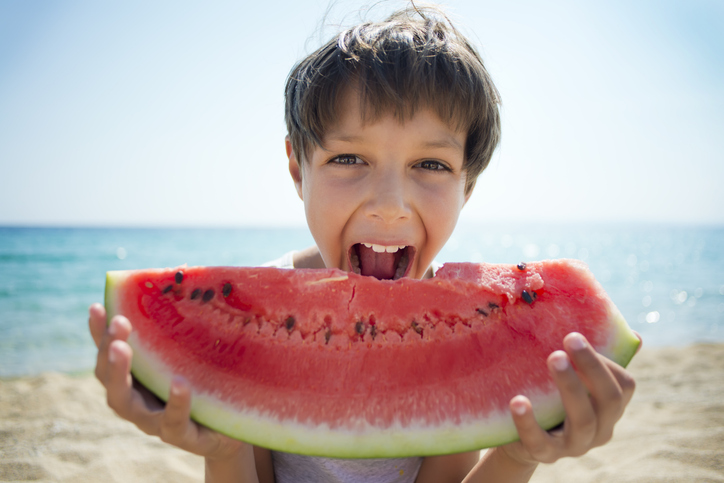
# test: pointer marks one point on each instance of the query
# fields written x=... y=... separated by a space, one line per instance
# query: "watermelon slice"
x=326 y=362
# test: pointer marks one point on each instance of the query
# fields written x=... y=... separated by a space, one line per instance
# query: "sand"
x=57 y=428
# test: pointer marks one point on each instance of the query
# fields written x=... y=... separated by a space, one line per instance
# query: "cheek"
x=441 y=207
x=327 y=210
x=333 y=195
x=324 y=201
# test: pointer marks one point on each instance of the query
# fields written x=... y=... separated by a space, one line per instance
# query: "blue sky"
x=171 y=113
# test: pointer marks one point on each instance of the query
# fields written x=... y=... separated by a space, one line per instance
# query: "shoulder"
x=307 y=258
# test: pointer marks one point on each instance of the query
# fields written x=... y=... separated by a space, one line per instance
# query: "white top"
x=285 y=261
x=294 y=468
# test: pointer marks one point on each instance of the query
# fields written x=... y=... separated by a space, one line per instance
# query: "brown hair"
x=414 y=58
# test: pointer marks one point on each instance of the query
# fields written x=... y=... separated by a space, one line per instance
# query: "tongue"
x=378 y=265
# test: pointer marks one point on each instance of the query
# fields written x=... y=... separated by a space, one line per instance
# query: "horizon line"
x=255 y=226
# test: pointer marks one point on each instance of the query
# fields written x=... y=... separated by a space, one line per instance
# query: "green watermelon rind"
x=294 y=437
x=623 y=342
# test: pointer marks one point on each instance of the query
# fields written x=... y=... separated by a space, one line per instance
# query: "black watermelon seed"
x=208 y=295
x=526 y=296
x=289 y=323
x=327 y=336
x=521 y=266
x=482 y=312
x=195 y=294
x=416 y=327
x=493 y=306
x=359 y=327
x=227 y=289
x=179 y=277
x=167 y=289
x=373 y=332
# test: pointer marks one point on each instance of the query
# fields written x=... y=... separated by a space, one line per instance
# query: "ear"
x=294 y=169
x=468 y=194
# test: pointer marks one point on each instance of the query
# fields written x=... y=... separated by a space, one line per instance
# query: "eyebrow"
x=444 y=142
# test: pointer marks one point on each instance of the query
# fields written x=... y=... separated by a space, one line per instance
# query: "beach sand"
x=58 y=428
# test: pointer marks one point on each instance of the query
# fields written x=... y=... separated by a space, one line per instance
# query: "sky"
x=170 y=113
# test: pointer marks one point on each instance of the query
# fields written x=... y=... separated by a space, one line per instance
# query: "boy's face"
x=382 y=198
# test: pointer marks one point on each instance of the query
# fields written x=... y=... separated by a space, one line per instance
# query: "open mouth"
x=384 y=262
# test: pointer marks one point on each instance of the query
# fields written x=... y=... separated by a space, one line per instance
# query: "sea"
x=667 y=280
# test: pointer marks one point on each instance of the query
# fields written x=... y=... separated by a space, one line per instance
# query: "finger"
x=539 y=444
x=175 y=425
x=97 y=322
x=118 y=380
x=606 y=395
x=623 y=378
x=121 y=396
x=580 y=425
x=591 y=368
x=119 y=329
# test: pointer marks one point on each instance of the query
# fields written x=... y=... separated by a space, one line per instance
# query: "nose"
x=388 y=198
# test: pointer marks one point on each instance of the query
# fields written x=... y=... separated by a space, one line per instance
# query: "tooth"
x=378 y=248
x=392 y=249
x=368 y=245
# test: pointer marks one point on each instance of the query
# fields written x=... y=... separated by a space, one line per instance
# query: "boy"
x=389 y=126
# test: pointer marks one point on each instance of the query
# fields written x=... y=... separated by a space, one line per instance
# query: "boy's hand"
x=130 y=400
x=595 y=392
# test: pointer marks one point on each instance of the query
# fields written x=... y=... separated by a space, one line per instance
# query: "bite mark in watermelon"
x=326 y=362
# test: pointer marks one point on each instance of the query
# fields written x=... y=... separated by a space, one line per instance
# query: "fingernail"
x=518 y=407
x=112 y=356
x=577 y=342
x=113 y=328
x=176 y=386
x=560 y=361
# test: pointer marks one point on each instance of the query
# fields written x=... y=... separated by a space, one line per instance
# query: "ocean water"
x=668 y=281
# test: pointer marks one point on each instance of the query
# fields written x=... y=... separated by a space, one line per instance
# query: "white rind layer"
x=366 y=442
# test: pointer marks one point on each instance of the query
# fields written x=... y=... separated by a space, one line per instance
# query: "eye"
x=346 y=159
x=432 y=165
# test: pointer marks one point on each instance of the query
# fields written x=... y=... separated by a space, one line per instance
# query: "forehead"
x=354 y=115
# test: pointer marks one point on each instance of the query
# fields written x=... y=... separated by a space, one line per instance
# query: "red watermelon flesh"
x=327 y=362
